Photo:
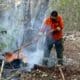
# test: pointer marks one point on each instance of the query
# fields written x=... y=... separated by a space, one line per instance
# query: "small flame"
x=9 y=57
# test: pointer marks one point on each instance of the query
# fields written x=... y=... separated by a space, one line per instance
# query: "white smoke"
x=36 y=57
x=14 y=24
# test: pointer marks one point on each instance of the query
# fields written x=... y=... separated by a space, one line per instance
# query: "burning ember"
x=9 y=57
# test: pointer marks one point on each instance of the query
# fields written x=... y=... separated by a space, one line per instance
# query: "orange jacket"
x=53 y=25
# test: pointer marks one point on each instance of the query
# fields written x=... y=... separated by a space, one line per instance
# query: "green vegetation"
x=70 y=10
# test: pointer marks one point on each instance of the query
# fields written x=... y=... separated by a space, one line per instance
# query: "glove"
x=58 y=28
x=40 y=33
x=50 y=32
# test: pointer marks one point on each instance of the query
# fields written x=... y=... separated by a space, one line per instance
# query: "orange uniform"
x=53 y=25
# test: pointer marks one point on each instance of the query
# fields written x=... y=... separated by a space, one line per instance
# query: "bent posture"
x=53 y=26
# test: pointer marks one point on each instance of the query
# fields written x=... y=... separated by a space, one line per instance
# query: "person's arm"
x=45 y=27
x=61 y=24
x=43 y=30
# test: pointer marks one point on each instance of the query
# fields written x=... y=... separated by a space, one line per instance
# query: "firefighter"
x=53 y=25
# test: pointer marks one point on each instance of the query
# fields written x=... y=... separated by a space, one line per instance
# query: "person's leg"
x=59 y=50
x=48 y=46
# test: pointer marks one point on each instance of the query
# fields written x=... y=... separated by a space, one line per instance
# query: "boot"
x=60 y=61
x=45 y=62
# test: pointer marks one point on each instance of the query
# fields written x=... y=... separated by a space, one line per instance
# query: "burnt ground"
x=71 y=68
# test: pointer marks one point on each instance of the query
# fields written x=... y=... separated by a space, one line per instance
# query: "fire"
x=9 y=57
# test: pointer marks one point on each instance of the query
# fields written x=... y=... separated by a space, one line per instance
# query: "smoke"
x=35 y=52
x=36 y=57
x=14 y=24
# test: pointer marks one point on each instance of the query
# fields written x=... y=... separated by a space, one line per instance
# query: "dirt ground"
x=71 y=68
x=71 y=71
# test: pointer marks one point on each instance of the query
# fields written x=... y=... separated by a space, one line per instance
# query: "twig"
x=12 y=75
x=61 y=72
x=2 y=66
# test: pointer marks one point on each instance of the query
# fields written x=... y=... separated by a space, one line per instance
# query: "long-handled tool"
x=34 y=41
x=25 y=45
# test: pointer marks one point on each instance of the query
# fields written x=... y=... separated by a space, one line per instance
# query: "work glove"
x=58 y=28
x=40 y=33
